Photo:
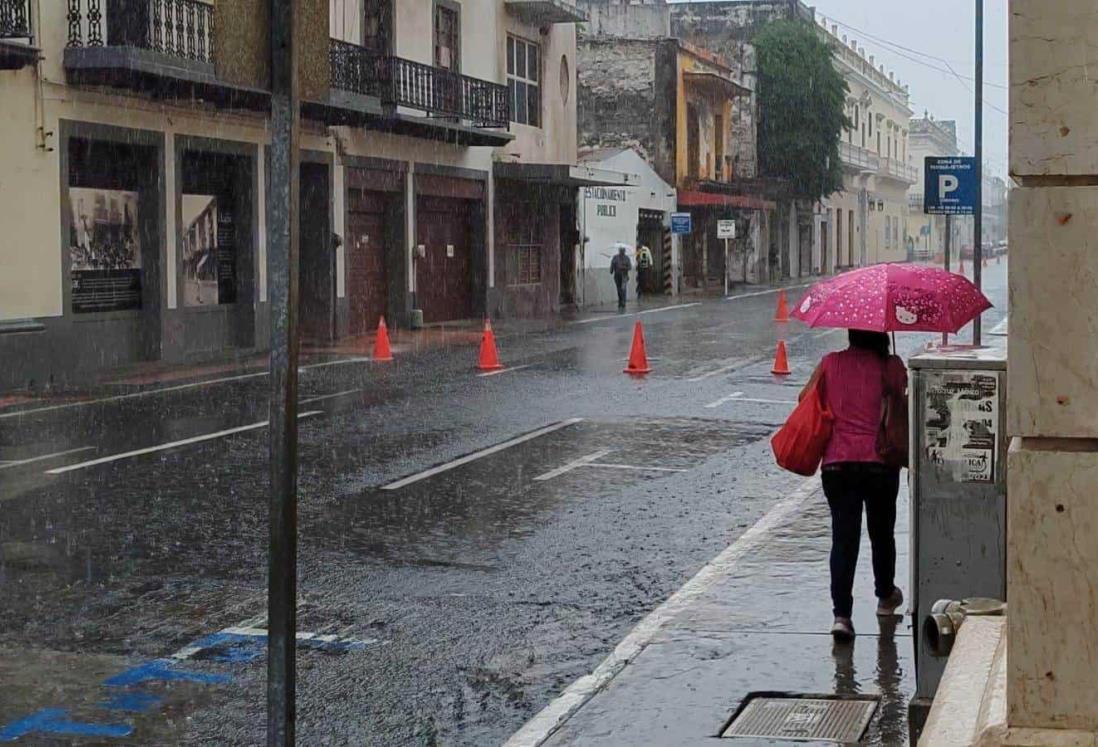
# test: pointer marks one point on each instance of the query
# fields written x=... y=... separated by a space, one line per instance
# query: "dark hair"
x=874 y=341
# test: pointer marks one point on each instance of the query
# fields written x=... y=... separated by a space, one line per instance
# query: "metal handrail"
x=433 y=90
x=177 y=28
x=15 y=19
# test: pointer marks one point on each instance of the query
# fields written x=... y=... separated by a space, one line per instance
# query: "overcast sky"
x=937 y=29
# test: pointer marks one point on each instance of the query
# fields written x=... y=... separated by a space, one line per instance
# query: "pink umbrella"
x=893 y=298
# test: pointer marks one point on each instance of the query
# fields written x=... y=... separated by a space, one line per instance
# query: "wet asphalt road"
x=458 y=604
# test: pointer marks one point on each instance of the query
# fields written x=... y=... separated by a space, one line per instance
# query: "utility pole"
x=977 y=216
x=282 y=264
x=948 y=240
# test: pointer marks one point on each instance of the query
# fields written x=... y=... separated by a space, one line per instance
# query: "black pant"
x=847 y=487
x=642 y=281
x=621 y=281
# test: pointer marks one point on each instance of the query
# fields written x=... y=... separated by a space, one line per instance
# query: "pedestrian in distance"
x=644 y=268
x=855 y=384
x=619 y=268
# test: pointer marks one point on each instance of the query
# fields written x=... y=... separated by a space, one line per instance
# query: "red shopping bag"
x=799 y=444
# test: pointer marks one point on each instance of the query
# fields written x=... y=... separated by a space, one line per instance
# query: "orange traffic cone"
x=781 y=361
x=382 y=351
x=489 y=358
x=638 y=358
x=782 y=314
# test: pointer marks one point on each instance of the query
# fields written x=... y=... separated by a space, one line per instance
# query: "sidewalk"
x=755 y=619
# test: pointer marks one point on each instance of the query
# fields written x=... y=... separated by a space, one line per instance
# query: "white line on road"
x=175 y=388
x=169 y=445
x=344 y=393
x=719 y=371
x=635 y=467
x=478 y=454
x=722 y=400
x=538 y=729
x=660 y=310
x=20 y=462
x=766 y=292
x=565 y=468
x=131 y=395
x=1000 y=329
x=767 y=401
x=499 y=371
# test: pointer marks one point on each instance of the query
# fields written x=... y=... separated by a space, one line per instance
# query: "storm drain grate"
x=808 y=719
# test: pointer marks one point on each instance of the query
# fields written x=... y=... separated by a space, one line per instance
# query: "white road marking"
x=582 y=461
x=132 y=395
x=766 y=292
x=478 y=454
x=635 y=467
x=18 y=462
x=508 y=369
x=767 y=401
x=538 y=729
x=1000 y=329
x=722 y=400
x=338 y=362
x=721 y=370
x=344 y=393
x=253 y=632
x=660 y=310
x=175 y=388
x=170 y=445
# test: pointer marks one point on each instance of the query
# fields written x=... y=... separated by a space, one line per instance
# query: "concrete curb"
x=537 y=730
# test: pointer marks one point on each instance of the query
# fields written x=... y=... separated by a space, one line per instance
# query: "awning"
x=715 y=85
x=564 y=174
x=713 y=199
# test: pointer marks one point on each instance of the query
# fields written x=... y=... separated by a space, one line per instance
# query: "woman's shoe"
x=842 y=630
x=887 y=606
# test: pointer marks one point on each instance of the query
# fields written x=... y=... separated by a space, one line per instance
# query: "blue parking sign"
x=950 y=186
x=682 y=223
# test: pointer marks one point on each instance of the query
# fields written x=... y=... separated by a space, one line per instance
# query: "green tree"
x=801 y=109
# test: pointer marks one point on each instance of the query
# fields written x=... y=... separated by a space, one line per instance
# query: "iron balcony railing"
x=433 y=90
x=858 y=157
x=15 y=19
x=177 y=28
x=915 y=200
x=903 y=171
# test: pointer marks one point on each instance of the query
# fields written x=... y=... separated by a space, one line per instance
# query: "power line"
x=898 y=46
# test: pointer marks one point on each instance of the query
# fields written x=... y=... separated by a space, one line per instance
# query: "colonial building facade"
x=438 y=173
x=866 y=222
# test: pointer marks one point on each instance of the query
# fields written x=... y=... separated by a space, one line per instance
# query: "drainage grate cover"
x=804 y=719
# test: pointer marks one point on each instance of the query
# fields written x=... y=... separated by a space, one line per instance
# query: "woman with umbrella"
x=865 y=389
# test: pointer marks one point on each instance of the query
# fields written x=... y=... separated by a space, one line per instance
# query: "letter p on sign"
x=946 y=183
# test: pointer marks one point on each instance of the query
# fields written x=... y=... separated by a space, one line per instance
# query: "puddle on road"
x=455 y=518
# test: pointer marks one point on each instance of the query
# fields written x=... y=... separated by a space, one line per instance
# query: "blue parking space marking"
x=165 y=670
x=234 y=645
x=56 y=721
x=131 y=702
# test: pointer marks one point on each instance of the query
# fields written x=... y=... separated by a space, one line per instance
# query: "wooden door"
x=367 y=273
x=444 y=289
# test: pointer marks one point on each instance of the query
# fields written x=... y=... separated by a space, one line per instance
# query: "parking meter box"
x=958 y=489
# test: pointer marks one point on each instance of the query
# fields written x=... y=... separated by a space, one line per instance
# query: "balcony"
x=857 y=158
x=16 y=39
x=545 y=12
x=462 y=108
x=899 y=170
x=162 y=47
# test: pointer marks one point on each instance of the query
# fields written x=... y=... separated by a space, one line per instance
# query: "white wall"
x=603 y=230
